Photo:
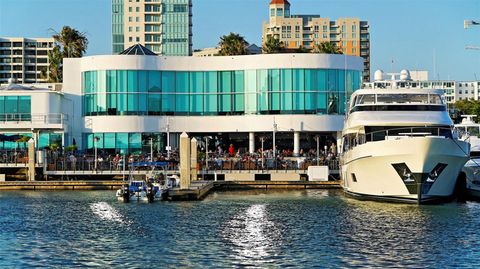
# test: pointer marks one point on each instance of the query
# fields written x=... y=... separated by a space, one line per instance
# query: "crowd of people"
x=230 y=158
x=268 y=159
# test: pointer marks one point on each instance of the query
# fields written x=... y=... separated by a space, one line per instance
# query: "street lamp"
x=95 y=140
x=206 y=151
x=151 y=149
x=262 y=138
x=317 y=138
x=467 y=23
x=168 y=139
x=274 y=131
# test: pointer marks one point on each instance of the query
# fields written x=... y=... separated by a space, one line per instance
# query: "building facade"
x=454 y=90
x=126 y=102
x=305 y=31
x=163 y=26
x=38 y=111
x=24 y=59
x=207 y=52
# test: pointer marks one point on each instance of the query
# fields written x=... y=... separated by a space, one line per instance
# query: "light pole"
x=274 y=131
x=262 y=139
x=95 y=140
x=206 y=152
x=467 y=23
x=317 y=138
x=168 y=139
x=123 y=164
x=151 y=149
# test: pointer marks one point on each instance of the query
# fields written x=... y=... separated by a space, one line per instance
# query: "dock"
x=61 y=185
x=198 y=190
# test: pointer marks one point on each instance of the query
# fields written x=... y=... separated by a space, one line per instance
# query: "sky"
x=405 y=34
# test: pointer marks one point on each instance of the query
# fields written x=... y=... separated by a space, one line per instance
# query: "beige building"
x=306 y=31
x=24 y=58
x=206 y=52
x=162 y=26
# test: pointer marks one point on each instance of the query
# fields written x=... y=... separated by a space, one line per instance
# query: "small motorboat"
x=134 y=191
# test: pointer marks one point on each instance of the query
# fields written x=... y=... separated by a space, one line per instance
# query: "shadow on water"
x=254 y=228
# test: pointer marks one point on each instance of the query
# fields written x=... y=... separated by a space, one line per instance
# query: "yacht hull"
x=412 y=170
x=472 y=173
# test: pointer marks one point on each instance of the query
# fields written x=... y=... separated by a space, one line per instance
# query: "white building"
x=453 y=89
x=24 y=58
x=126 y=102
x=39 y=111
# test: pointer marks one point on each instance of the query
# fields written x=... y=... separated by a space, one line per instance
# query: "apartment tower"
x=163 y=26
x=24 y=59
x=305 y=31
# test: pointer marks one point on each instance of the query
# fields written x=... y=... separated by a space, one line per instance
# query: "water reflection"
x=106 y=212
x=252 y=235
x=261 y=229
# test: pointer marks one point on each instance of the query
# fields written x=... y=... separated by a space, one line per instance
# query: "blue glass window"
x=196 y=92
x=210 y=92
x=261 y=91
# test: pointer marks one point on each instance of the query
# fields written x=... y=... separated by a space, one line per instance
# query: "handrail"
x=386 y=131
x=50 y=118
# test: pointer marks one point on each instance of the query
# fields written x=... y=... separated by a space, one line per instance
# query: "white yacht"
x=399 y=145
x=469 y=131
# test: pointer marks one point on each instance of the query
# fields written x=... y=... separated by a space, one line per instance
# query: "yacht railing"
x=409 y=132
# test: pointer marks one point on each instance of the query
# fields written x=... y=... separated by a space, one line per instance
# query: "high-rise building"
x=24 y=58
x=163 y=26
x=305 y=31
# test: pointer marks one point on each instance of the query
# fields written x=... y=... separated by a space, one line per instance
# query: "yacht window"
x=365 y=99
x=402 y=98
x=435 y=99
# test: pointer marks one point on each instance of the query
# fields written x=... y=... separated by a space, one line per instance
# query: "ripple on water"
x=254 y=229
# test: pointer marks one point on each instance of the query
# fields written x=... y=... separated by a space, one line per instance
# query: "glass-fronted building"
x=127 y=102
x=163 y=26
x=216 y=93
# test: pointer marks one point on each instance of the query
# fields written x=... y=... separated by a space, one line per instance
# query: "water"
x=255 y=229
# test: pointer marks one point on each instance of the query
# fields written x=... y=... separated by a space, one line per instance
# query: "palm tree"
x=302 y=49
x=232 y=44
x=272 y=45
x=69 y=43
x=327 y=47
x=54 y=74
x=72 y=42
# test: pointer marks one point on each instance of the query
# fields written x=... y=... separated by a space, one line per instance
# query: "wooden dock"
x=197 y=191
x=60 y=185
x=200 y=189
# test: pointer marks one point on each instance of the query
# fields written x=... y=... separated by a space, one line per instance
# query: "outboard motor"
x=150 y=193
x=126 y=194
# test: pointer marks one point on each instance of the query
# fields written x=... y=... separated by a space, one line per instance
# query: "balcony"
x=32 y=121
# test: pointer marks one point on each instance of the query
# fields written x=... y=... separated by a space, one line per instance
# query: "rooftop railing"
x=23 y=118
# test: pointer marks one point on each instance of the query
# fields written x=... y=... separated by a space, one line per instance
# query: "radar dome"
x=12 y=80
x=378 y=75
x=404 y=75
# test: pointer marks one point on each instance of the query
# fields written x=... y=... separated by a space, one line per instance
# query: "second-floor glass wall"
x=236 y=92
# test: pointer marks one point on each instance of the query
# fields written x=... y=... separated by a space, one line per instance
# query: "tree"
x=54 y=74
x=71 y=42
x=468 y=107
x=232 y=44
x=302 y=49
x=272 y=45
x=327 y=47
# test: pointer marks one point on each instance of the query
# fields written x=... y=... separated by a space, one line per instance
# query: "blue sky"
x=415 y=34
